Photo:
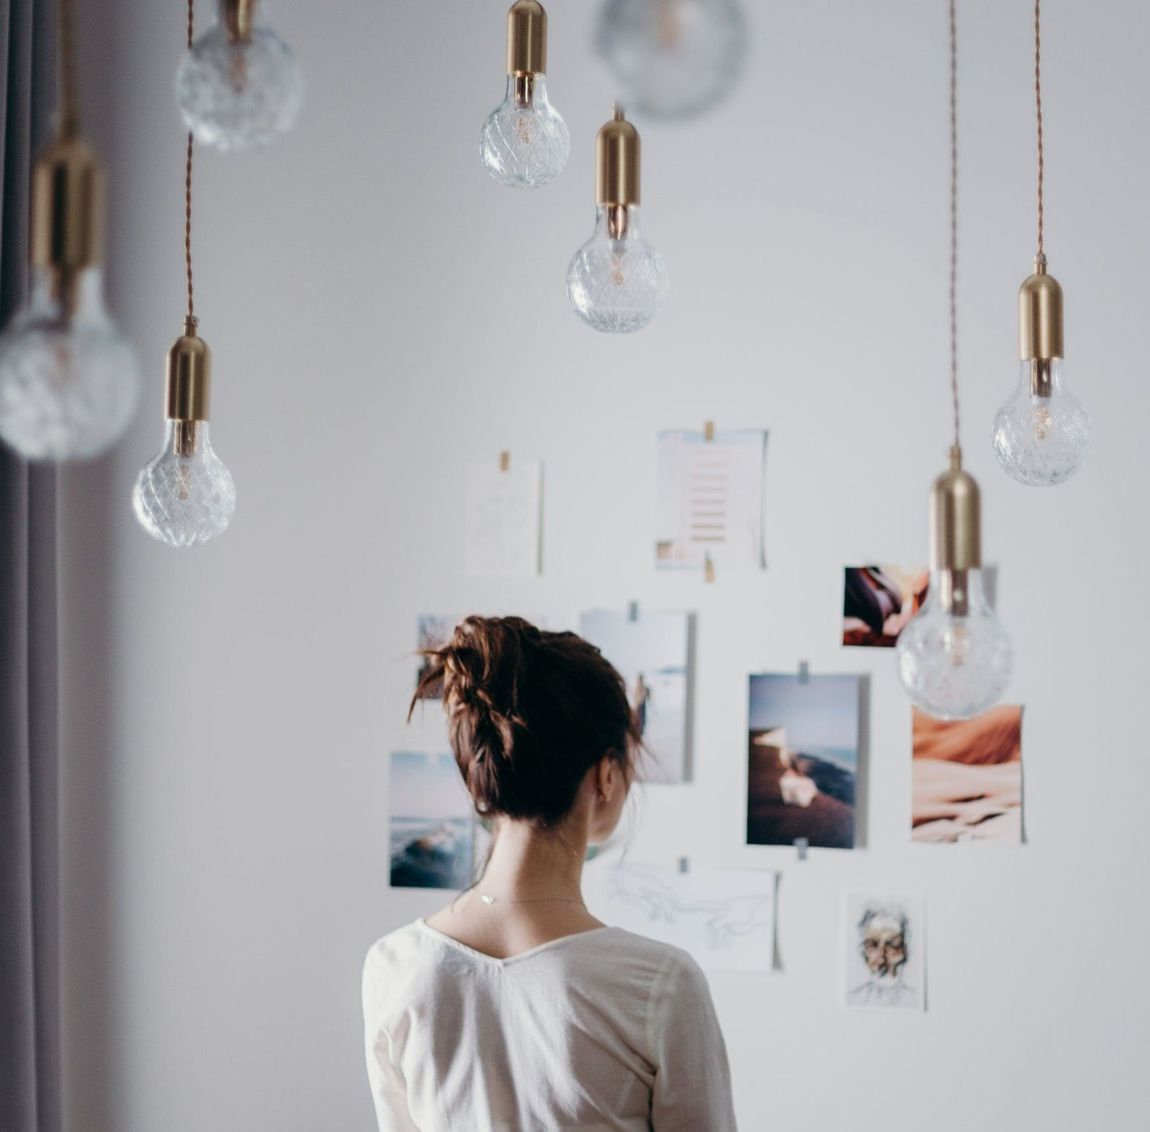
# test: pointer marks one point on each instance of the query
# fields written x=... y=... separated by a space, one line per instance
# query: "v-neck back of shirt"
x=508 y=960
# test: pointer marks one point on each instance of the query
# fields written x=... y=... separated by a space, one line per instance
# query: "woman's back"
x=596 y=1031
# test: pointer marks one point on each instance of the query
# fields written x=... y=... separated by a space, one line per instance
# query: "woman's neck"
x=532 y=864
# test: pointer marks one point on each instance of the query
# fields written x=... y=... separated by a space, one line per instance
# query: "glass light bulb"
x=617 y=281
x=1041 y=438
x=236 y=92
x=185 y=495
x=69 y=380
x=524 y=141
x=674 y=57
x=954 y=662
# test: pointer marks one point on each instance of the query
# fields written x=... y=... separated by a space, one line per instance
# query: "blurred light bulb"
x=954 y=657
x=68 y=379
x=185 y=495
x=1042 y=433
x=616 y=280
x=239 y=84
x=674 y=57
x=524 y=141
x=954 y=660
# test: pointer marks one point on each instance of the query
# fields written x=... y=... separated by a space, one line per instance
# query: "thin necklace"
x=489 y=900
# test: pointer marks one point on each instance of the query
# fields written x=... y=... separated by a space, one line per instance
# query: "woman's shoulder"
x=399 y=947
x=640 y=958
x=400 y=953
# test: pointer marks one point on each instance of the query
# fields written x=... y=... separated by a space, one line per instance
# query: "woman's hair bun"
x=529 y=713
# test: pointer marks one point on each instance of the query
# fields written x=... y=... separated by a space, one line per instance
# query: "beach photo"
x=652 y=653
x=878 y=601
x=884 y=952
x=967 y=778
x=802 y=762
x=432 y=824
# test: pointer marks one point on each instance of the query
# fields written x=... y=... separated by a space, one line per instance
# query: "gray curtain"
x=29 y=892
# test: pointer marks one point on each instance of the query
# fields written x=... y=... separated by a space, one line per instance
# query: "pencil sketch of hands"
x=740 y=915
x=650 y=893
x=724 y=918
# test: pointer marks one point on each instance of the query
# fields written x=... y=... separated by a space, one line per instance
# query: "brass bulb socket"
x=955 y=519
x=1040 y=316
x=189 y=380
x=67 y=229
x=526 y=38
x=239 y=18
x=617 y=162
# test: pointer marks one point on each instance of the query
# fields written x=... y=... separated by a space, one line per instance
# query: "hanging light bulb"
x=954 y=657
x=674 y=58
x=1042 y=432
x=617 y=281
x=185 y=495
x=68 y=378
x=239 y=85
x=524 y=141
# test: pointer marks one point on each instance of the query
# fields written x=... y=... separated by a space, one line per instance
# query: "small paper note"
x=504 y=521
x=710 y=502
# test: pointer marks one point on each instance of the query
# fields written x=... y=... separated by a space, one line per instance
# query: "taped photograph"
x=967 y=778
x=803 y=760
x=878 y=601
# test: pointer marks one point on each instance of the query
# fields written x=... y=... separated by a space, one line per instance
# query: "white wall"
x=382 y=313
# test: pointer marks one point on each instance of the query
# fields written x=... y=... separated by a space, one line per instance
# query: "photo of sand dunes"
x=802 y=760
x=967 y=778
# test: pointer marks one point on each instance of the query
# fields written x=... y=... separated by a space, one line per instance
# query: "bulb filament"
x=1041 y=380
x=186 y=438
x=238 y=68
x=953 y=595
x=524 y=90
x=618 y=221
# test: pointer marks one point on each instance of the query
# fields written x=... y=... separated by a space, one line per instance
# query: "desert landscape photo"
x=967 y=777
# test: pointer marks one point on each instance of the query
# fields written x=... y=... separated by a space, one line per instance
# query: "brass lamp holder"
x=617 y=171
x=955 y=534
x=239 y=17
x=1040 y=326
x=67 y=226
x=526 y=48
x=189 y=388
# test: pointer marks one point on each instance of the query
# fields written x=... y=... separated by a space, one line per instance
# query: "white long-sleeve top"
x=603 y=1031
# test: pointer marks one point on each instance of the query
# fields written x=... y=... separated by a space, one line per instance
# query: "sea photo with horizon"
x=802 y=759
x=432 y=823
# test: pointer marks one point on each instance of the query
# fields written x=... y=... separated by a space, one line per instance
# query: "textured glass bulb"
x=524 y=141
x=617 y=281
x=954 y=662
x=68 y=379
x=674 y=57
x=185 y=495
x=238 y=91
x=1041 y=439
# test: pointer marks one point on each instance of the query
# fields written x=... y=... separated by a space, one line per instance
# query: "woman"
x=513 y=1008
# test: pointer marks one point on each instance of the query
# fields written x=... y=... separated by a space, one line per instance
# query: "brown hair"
x=530 y=712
